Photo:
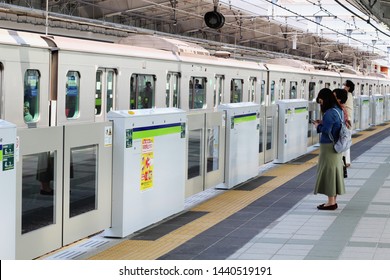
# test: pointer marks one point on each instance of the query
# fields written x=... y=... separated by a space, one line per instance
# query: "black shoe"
x=329 y=207
x=42 y=192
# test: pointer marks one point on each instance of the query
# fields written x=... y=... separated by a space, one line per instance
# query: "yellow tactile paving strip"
x=219 y=208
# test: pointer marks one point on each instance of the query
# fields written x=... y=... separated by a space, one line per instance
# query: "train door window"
x=262 y=92
x=172 y=92
x=327 y=85
x=236 y=90
x=105 y=80
x=218 y=89
x=142 y=91
x=31 y=95
x=362 y=89
x=293 y=90
x=370 y=90
x=272 y=93
x=282 y=87
x=302 y=90
x=312 y=91
x=197 y=93
x=72 y=94
x=252 y=89
x=98 y=92
x=110 y=82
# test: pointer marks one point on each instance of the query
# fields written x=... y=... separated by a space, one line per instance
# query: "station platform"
x=271 y=217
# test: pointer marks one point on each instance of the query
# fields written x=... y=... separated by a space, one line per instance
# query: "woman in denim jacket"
x=330 y=177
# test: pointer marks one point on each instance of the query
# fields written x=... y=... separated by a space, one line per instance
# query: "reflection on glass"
x=83 y=180
x=213 y=148
x=269 y=133
x=37 y=191
x=194 y=153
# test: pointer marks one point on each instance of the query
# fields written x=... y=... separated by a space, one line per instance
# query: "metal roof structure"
x=318 y=31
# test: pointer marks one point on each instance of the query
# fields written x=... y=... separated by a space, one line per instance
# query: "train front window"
x=197 y=93
x=31 y=95
x=236 y=90
x=72 y=95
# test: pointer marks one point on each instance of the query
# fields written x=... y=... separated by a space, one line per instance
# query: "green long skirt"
x=330 y=176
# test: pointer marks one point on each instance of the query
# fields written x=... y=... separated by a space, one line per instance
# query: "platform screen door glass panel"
x=83 y=180
x=38 y=191
x=213 y=148
x=194 y=153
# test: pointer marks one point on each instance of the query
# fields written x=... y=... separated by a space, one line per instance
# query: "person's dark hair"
x=341 y=94
x=351 y=85
x=328 y=99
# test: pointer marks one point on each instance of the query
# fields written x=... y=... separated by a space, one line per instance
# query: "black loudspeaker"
x=214 y=19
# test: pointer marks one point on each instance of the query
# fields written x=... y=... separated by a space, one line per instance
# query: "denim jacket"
x=331 y=125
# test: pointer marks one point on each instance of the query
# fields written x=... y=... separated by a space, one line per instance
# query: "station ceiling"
x=317 y=31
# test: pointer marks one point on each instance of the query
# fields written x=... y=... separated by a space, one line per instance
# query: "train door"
x=104 y=92
x=205 y=151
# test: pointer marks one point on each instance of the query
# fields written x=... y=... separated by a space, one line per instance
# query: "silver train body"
x=56 y=90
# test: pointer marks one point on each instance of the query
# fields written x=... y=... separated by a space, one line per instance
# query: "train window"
x=370 y=89
x=327 y=85
x=110 y=90
x=142 y=91
x=218 y=89
x=272 y=92
x=302 y=91
x=172 y=90
x=312 y=91
x=252 y=89
x=197 y=92
x=236 y=90
x=104 y=90
x=262 y=92
x=98 y=92
x=282 y=87
x=31 y=95
x=72 y=94
x=293 y=90
x=362 y=89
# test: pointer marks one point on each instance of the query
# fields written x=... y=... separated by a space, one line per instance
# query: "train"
x=56 y=90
